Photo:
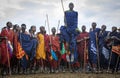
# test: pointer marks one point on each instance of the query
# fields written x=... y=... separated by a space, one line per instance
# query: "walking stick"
x=62 y=5
x=48 y=30
x=85 y=55
x=58 y=26
x=8 y=57
x=98 y=57
x=53 y=53
x=110 y=59
x=47 y=20
x=64 y=12
x=48 y=25
x=19 y=62
x=45 y=23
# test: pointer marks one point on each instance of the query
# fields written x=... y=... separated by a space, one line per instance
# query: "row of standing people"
x=22 y=51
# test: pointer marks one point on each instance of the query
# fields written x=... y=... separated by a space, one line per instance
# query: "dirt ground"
x=65 y=75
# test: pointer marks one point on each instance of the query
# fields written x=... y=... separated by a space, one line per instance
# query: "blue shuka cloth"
x=92 y=46
x=103 y=51
x=114 y=55
x=71 y=19
x=24 y=62
x=28 y=45
x=69 y=33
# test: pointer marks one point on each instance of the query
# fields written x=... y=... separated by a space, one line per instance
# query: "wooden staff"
x=64 y=12
x=48 y=25
x=49 y=29
x=49 y=33
x=85 y=55
x=110 y=59
x=98 y=57
x=19 y=61
x=58 y=26
x=45 y=23
x=62 y=5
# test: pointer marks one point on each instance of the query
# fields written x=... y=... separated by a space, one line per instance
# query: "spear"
x=48 y=25
x=52 y=52
x=110 y=58
x=65 y=21
x=62 y=5
x=58 y=26
x=85 y=55
x=45 y=23
x=98 y=57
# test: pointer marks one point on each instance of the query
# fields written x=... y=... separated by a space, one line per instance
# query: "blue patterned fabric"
x=24 y=62
x=114 y=55
x=28 y=45
x=69 y=33
x=93 y=46
x=103 y=51
x=71 y=19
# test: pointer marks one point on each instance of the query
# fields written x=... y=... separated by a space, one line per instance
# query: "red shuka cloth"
x=81 y=45
x=4 y=48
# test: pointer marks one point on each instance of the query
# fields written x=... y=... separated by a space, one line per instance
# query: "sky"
x=33 y=12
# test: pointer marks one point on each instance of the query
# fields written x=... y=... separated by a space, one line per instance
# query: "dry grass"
x=66 y=75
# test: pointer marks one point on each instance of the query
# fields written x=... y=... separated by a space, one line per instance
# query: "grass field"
x=65 y=75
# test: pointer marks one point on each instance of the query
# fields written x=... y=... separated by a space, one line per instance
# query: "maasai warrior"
x=115 y=36
x=40 y=53
x=14 y=60
x=6 y=47
x=18 y=52
x=32 y=32
x=63 y=62
x=93 y=37
x=1 y=38
x=69 y=32
x=33 y=36
x=1 y=66
x=82 y=46
x=55 y=47
x=28 y=45
x=103 y=49
x=48 y=54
